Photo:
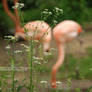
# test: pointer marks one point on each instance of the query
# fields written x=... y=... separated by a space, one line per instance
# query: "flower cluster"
x=18 y=6
x=45 y=14
x=8 y=46
x=27 y=49
x=57 y=11
x=17 y=51
x=10 y=38
x=43 y=82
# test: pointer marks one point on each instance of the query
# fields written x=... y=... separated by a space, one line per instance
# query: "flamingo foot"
x=53 y=84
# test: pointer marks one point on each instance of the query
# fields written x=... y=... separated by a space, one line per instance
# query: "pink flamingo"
x=63 y=32
x=39 y=29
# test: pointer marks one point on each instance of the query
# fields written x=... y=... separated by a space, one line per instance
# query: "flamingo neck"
x=19 y=29
x=60 y=60
x=61 y=53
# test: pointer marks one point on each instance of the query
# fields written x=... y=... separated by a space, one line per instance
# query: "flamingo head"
x=46 y=47
x=81 y=32
x=19 y=34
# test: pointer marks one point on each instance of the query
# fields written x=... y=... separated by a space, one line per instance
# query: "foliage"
x=78 y=10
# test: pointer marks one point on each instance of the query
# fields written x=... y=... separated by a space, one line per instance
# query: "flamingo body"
x=39 y=29
x=66 y=30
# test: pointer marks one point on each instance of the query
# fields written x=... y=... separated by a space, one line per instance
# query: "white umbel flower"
x=8 y=47
x=45 y=82
x=18 y=5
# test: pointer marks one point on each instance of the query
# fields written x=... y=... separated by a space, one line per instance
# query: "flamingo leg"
x=58 y=64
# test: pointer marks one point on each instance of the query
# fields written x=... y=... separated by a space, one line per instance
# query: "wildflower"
x=11 y=38
x=17 y=51
x=36 y=41
x=25 y=46
x=45 y=62
x=37 y=62
x=45 y=14
x=8 y=47
x=47 y=53
x=37 y=58
x=54 y=22
x=18 y=5
x=27 y=50
x=58 y=10
x=45 y=82
x=58 y=82
x=50 y=13
x=53 y=49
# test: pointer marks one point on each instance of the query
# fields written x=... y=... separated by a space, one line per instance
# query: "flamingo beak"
x=47 y=50
x=19 y=38
x=81 y=33
x=46 y=47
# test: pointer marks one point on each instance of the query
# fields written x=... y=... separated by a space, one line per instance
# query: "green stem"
x=30 y=66
x=13 y=75
x=12 y=66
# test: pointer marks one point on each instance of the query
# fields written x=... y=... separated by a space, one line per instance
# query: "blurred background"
x=78 y=10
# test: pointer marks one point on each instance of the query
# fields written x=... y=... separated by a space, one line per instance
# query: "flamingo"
x=63 y=32
x=39 y=29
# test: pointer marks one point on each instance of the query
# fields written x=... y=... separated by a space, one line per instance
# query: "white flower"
x=45 y=82
x=45 y=9
x=37 y=58
x=45 y=62
x=37 y=62
x=25 y=46
x=36 y=41
x=8 y=47
x=13 y=38
x=27 y=50
x=58 y=82
x=17 y=51
x=53 y=49
x=47 y=53
x=50 y=13
x=55 y=22
x=18 y=5
x=58 y=9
